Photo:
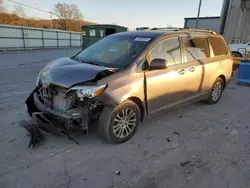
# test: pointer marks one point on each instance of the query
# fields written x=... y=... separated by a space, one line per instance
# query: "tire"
x=236 y=54
x=110 y=122
x=219 y=85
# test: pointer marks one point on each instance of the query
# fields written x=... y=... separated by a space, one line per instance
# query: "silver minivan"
x=128 y=77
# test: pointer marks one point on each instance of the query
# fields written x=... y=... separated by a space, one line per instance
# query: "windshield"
x=114 y=51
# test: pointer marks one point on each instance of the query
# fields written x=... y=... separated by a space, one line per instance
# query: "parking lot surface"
x=197 y=146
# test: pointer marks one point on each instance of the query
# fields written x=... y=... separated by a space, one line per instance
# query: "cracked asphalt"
x=197 y=146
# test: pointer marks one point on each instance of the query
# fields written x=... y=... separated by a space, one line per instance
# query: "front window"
x=168 y=49
x=114 y=51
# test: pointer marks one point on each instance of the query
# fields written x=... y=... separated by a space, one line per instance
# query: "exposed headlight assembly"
x=88 y=91
x=43 y=76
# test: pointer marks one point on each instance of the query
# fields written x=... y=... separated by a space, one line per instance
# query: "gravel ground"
x=197 y=146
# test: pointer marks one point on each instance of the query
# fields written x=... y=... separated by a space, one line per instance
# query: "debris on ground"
x=177 y=133
x=185 y=163
x=168 y=140
x=35 y=135
x=180 y=117
x=118 y=173
x=226 y=127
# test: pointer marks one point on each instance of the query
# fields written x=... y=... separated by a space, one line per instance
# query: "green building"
x=93 y=33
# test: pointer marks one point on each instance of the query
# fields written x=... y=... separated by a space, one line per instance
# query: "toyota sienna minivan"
x=128 y=77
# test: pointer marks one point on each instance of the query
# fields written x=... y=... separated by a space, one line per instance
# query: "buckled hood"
x=67 y=72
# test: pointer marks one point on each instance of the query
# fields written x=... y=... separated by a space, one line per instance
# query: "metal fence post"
x=23 y=35
x=70 y=39
x=57 y=39
x=42 y=39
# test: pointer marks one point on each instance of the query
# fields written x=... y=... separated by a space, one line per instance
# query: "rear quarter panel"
x=215 y=67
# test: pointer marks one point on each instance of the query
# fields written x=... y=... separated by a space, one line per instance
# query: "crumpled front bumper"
x=52 y=121
x=34 y=104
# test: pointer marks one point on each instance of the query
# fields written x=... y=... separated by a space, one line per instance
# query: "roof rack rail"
x=165 y=28
x=184 y=29
x=199 y=30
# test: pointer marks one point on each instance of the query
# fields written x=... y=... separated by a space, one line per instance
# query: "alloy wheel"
x=124 y=123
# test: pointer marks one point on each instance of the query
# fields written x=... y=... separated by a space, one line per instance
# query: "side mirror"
x=158 y=64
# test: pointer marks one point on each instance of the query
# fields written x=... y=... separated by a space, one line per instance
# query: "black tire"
x=107 y=121
x=236 y=54
x=211 y=99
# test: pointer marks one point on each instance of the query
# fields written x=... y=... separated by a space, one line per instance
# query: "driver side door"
x=166 y=88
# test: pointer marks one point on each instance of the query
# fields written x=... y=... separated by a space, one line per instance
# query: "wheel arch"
x=236 y=52
x=141 y=106
x=224 y=80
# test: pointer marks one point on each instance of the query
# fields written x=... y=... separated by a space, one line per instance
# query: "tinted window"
x=169 y=50
x=218 y=45
x=114 y=51
x=196 y=48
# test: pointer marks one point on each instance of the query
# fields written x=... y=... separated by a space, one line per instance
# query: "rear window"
x=219 y=46
x=196 y=48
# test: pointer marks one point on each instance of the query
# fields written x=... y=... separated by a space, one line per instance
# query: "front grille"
x=56 y=98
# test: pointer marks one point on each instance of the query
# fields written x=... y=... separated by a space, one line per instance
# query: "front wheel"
x=216 y=91
x=119 y=124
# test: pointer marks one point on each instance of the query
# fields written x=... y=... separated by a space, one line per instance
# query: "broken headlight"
x=43 y=76
x=88 y=91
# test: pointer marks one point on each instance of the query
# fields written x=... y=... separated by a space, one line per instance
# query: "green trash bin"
x=93 y=33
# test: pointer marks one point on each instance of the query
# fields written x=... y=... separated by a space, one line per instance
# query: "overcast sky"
x=130 y=13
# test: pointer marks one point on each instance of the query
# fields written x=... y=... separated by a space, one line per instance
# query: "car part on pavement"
x=34 y=133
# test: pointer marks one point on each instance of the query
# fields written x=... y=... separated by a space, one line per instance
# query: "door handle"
x=191 y=69
x=182 y=71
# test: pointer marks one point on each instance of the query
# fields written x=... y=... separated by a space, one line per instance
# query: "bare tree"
x=11 y=17
x=67 y=13
x=19 y=11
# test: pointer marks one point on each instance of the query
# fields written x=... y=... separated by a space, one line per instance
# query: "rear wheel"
x=216 y=91
x=236 y=54
x=119 y=124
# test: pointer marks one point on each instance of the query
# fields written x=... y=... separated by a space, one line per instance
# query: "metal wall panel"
x=33 y=33
x=50 y=43
x=17 y=37
x=205 y=23
x=75 y=36
x=63 y=35
x=6 y=43
x=36 y=43
x=49 y=34
x=75 y=43
x=237 y=23
x=64 y=43
x=11 y=32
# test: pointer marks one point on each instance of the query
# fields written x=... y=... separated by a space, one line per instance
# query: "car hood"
x=67 y=72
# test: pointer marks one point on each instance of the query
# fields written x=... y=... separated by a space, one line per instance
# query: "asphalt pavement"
x=196 y=146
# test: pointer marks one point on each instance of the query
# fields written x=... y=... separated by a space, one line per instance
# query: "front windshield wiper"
x=88 y=62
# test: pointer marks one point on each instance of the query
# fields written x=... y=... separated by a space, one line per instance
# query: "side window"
x=168 y=49
x=196 y=48
x=219 y=46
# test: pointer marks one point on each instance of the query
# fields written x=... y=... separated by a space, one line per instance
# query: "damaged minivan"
x=127 y=77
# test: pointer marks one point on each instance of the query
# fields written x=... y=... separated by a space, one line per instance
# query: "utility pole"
x=224 y=12
x=198 y=15
x=51 y=20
